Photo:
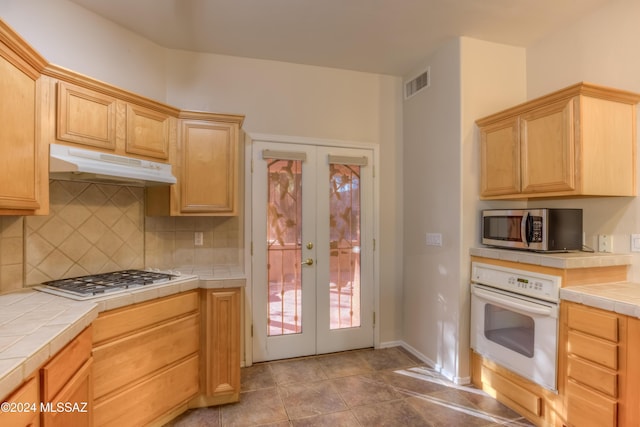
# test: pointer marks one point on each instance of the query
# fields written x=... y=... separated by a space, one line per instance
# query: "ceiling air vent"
x=417 y=84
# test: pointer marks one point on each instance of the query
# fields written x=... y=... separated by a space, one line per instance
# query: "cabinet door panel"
x=223 y=342
x=500 y=158
x=547 y=149
x=86 y=117
x=56 y=373
x=147 y=132
x=209 y=173
x=76 y=399
x=18 y=147
x=26 y=393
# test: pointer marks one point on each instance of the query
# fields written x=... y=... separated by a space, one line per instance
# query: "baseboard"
x=433 y=365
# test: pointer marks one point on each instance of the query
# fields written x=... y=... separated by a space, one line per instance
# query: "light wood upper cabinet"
x=500 y=149
x=100 y=116
x=147 y=132
x=23 y=161
x=86 y=117
x=579 y=141
x=206 y=164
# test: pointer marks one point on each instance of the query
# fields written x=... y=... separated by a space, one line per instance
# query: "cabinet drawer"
x=148 y=399
x=588 y=408
x=127 y=320
x=593 y=322
x=26 y=393
x=594 y=376
x=126 y=360
x=512 y=391
x=596 y=350
x=65 y=364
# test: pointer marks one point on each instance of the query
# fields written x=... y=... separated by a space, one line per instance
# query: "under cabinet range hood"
x=70 y=163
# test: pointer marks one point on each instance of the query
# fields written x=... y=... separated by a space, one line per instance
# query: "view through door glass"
x=284 y=249
x=344 y=246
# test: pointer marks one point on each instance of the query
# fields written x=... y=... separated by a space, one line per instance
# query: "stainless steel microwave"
x=545 y=230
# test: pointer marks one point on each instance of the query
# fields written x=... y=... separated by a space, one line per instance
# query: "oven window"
x=503 y=228
x=509 y=329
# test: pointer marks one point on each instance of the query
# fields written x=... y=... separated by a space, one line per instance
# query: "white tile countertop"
x=35 y=325
x=565 y=260
x=622 y=297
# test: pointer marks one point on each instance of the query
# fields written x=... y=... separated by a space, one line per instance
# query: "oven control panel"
x=536 y=285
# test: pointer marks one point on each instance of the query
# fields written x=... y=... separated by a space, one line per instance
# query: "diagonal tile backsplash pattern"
x=92 y=228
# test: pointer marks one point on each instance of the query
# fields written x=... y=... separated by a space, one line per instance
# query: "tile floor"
x=385 y=387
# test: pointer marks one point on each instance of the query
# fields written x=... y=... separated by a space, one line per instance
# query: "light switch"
x=635 y=243
x=434 y=239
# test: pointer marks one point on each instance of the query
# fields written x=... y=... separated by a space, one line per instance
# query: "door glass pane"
x=512 y=330
x=344 y=247
x=284 y=237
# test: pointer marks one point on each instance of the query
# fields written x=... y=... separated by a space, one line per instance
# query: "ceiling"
x=379 y=36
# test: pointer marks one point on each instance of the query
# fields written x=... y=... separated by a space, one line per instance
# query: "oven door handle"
x=524 y=306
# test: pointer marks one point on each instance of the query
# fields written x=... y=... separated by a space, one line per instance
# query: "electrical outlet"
x=434 y=239
x=605 y=243
x=198 y=238
x=635 y=243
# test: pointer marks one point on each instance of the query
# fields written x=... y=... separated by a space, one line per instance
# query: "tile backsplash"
x=11 y=252
x=94 y=228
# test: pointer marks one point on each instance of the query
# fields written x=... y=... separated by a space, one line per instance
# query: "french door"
x=312 y=264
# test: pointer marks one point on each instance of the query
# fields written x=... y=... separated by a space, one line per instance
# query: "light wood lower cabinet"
x=534 y=402
x=27 y=393
x=220 y=347
x=66 y=383
x=146 y=360
x=602 y=374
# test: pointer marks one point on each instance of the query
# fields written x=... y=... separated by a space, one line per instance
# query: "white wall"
x=603 y=49
x=469 y=79
x=276 y=97
x=493 y=77
x=74 y=38
x=432 y=183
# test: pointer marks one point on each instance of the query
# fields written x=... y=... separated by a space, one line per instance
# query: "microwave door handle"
x=524 y=228
x=523 y=306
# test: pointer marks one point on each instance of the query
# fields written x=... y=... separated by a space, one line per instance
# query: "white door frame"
x=247 y=209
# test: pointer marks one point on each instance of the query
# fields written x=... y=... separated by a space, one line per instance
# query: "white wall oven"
x=514 y=320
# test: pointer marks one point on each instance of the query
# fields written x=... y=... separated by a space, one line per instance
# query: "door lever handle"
x=308 y=261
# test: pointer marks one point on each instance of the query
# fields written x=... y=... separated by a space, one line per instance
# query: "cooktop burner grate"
x=108 y=282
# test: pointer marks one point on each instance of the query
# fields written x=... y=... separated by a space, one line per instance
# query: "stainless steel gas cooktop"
x=95 y=286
